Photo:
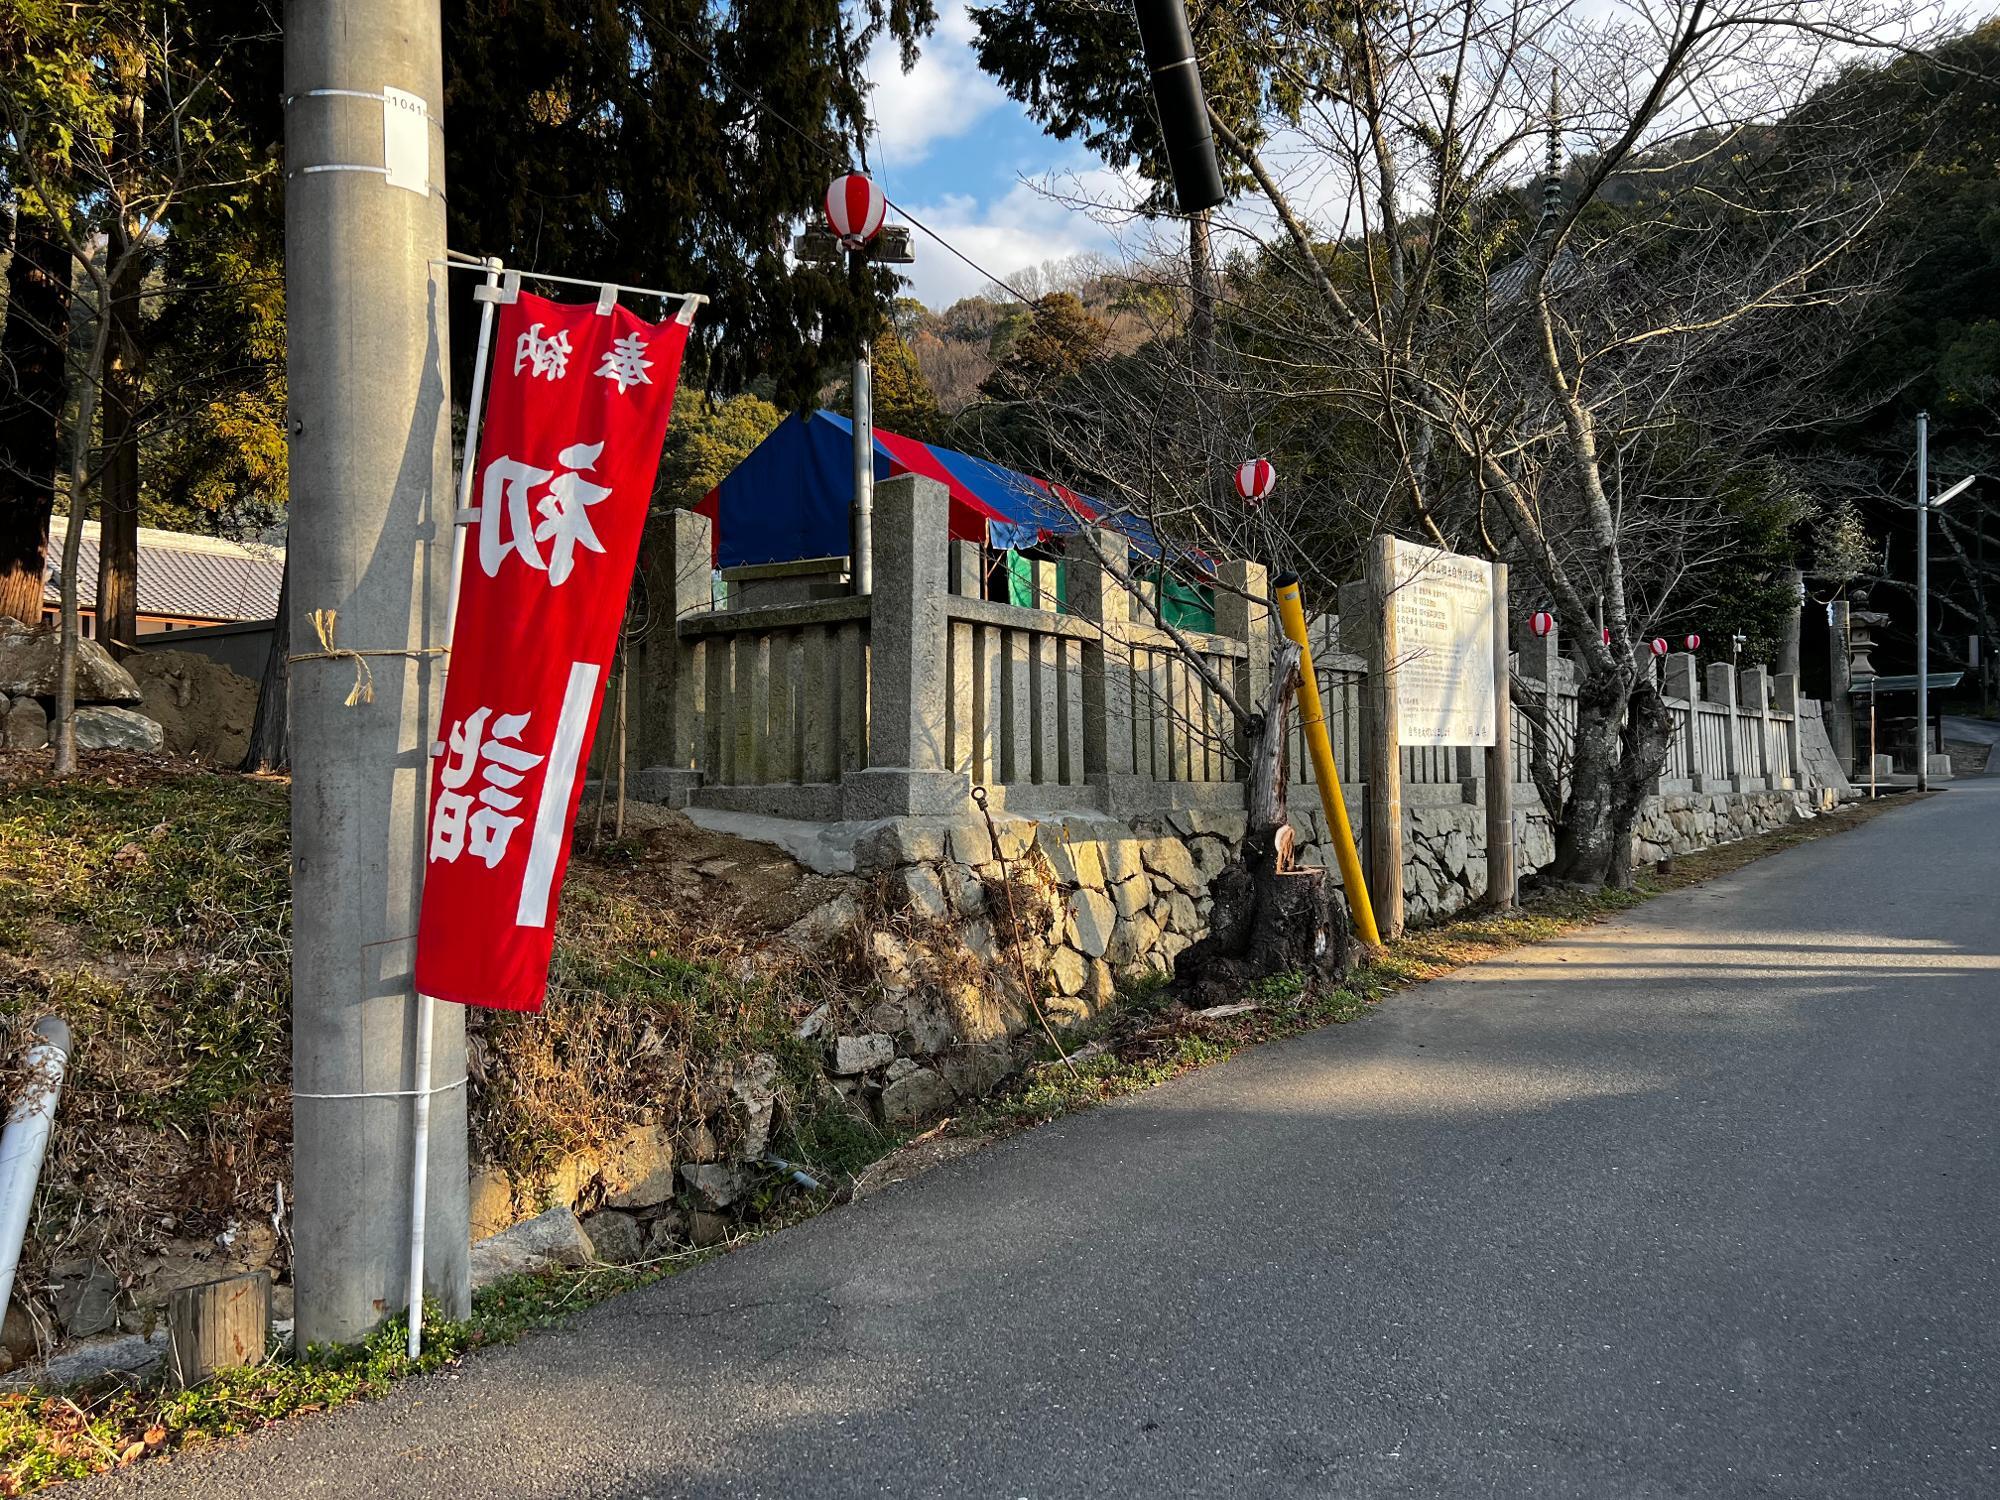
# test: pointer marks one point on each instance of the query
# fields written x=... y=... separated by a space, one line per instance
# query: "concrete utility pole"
x=371 y=505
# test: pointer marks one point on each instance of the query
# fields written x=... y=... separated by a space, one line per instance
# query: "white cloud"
x=1068 y=212
x=943 y=97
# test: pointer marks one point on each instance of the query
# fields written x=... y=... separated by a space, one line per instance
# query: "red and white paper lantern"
x=854 y=209
x=1659 y=645
x=1693 y=643
x=1255 y=479
x=1542 y=622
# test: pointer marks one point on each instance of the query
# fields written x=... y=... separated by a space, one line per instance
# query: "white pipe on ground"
x=26 y=1141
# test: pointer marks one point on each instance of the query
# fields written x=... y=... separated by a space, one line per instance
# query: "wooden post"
x=218 y=1325
x=1500 y=873
x=1384 y=761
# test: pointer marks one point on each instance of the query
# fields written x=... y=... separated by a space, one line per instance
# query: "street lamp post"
x=1925 y=505
x=1923 y=601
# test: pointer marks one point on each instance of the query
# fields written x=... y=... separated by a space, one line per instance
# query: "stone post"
x=1099 y=599
x=1241 y=614
x=675 y=561
x=1840 y=687
x=909 y=671
x=1538 y=653
x=1682 y=680
x=1754 y=702
x=967 y=578
x=1722 y=690
x=1785 y=698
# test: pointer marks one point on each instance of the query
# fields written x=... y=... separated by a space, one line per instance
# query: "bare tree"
x=1573 y=384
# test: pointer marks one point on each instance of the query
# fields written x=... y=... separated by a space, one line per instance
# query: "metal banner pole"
x=490 y=295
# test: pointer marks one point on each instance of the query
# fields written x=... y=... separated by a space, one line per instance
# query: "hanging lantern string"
x=324 y=622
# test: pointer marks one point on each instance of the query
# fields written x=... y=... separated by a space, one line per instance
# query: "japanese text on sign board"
x=1442 y=606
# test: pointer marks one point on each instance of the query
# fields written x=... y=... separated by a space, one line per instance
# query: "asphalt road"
x=1704 y=1203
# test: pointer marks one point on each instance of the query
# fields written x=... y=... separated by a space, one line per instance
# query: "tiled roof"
x=181 y=576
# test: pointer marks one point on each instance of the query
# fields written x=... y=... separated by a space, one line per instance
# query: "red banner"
x=576 y=411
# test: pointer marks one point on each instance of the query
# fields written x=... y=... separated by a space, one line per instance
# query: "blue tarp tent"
x=789 y=498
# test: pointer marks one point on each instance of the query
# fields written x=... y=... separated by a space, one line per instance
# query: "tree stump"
x=1269 y=917
x=218 y=1325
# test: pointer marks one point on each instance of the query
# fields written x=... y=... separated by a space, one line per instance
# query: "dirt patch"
x=204 y=708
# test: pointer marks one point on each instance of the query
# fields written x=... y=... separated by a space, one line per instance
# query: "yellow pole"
x=1313 y=721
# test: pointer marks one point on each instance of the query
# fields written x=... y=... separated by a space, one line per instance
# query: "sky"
x=969 y=162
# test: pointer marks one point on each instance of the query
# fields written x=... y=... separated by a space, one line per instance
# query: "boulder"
x=548 y=1240
x=916 y=1097
x=26 y=726
x=204 y=709
x=117 y=729
x=616 y=1237
x=29 y=659
x=638 y=1171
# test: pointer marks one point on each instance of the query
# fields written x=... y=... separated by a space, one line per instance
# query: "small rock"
x=489 y=1201
x=554 y=1238
x=86 y=1296
x=893 y=957
x=666 y=1234
x=26 y=726
x=1221 y=1012
x=930 y=1028
x=638 y=1171
x=1169 y=857
x=976 y=1069
x=823 y=923
x=918 y=1096
x=715 y=1184
x=857 y=1054
x=923 y=893
x=1131 y=896
x=1094 y=919
x=889 y=1017
x=707 y=1230
x=902 y=1067
x=1068 y=970
x=753 y=1102
x=814 y=1023
x=715 y=867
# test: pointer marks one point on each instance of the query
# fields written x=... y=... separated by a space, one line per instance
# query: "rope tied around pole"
x=324 y=623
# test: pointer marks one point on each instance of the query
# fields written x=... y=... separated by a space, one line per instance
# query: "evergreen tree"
x=671 y=143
